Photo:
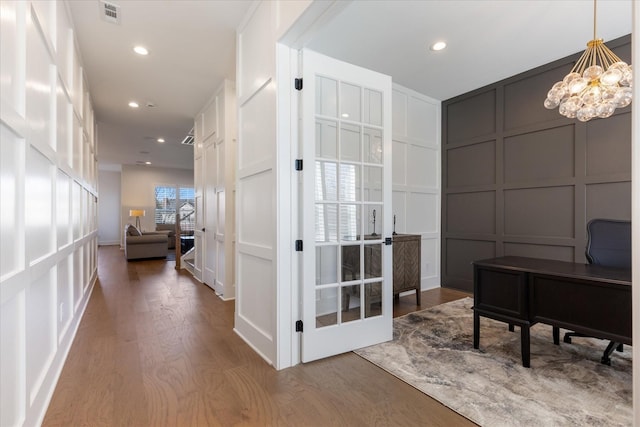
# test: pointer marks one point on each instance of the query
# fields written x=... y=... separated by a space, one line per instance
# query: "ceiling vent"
x=188 y=140
x=110 y=12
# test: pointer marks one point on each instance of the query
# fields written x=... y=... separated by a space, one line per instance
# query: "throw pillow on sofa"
x=133 y=231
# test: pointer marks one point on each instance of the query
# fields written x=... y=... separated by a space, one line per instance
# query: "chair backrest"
x=609 y=243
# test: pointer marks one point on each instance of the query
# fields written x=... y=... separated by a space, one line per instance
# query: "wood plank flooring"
x=156 y=348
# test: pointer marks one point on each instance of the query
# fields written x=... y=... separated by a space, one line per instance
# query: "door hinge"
x=298 y=84
x=298 y=164
x=298 y=245
x=388 y=241
x=299 y=326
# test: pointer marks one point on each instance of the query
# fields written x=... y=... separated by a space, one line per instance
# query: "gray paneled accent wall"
x=519 y=179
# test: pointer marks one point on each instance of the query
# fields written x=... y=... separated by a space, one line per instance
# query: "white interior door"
x=346 y=203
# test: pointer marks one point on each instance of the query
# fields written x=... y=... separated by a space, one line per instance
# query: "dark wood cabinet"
x=406 y=264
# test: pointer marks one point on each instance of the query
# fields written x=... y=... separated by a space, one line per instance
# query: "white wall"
x=138 y=185
x=109 y=207
x=48 y=209
x=416 y=175
x=261 y=195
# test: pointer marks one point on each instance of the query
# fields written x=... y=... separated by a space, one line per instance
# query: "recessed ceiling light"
x=133 y=104
x=345 y=115
x=160 y=140
x=147 y=163
x=141 y=50
x=438 y=46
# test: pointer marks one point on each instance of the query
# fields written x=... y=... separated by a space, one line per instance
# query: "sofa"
x=138 y=245
x=170 y=231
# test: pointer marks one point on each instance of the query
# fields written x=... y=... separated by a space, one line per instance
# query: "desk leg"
x=525 y=346
x=476 y=330
x=556 y=335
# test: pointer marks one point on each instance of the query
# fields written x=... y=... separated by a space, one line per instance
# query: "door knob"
x=203 y=230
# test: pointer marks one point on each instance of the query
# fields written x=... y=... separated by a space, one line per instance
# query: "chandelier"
x=599 y=83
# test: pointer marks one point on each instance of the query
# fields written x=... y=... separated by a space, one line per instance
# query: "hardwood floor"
x=156 y=348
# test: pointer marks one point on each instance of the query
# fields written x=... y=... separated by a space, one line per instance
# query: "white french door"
x=346 y=207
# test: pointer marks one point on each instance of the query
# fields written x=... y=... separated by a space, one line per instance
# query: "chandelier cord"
x=594 y=19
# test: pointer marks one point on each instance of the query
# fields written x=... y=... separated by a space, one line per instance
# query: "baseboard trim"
x=55 y=370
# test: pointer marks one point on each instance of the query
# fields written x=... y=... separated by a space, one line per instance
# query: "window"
x=176 y=200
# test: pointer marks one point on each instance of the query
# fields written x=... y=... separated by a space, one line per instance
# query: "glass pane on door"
x=372 y=107
x=372 y=184
x=372 y=299
x=373 y=261
x=374 y=221
x=349 y=183
x=350 y=267
x=326 y=139
x=326 y=265
x=326 y=97
x=372 y=141
x=326 y=307
x=350 y=102
x=349 y=222
x=326 y=222
x=350 y=137
x=350 y=303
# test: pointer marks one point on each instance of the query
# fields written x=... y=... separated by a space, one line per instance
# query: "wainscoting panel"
x=471 y=165
x=519 y=179
x=609 y=145
x=561 y=253
x=459 y=254
x=539 y=212
x=470 y=117
x=480 y=219
x=416 y=175
x=609 y=200
x=524 y=154
x=533 y=89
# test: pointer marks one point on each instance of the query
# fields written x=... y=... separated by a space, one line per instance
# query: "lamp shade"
x=136 y=212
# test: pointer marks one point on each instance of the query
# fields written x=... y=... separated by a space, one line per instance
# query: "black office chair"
x=608 y=244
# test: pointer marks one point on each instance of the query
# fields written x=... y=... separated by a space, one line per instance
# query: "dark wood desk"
x=589 y=299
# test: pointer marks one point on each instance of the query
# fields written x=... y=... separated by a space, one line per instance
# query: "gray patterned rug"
x=566 y=385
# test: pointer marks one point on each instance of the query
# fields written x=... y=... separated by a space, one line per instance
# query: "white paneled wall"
x=48 y=203
x=256 y=183
x=263 y=187
x=416 y=175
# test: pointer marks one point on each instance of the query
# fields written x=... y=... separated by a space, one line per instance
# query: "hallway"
x=155 y=348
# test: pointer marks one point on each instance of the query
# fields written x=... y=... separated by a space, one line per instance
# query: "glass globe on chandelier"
x=599 y=83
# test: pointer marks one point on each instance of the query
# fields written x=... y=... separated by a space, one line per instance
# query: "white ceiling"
x=192 y=45
x=487 y=41
x=192 y=49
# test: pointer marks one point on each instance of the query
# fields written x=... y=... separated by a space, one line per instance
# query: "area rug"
x=566 y=385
